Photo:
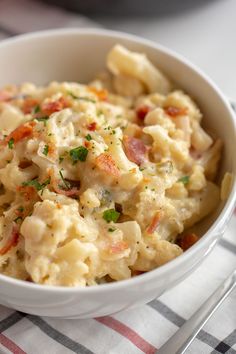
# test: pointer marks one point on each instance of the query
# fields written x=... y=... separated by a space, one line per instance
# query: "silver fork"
x=181 y=340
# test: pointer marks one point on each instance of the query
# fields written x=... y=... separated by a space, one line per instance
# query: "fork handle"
x=181 y=340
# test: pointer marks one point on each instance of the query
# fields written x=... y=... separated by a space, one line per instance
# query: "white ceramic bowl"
x=77 y=55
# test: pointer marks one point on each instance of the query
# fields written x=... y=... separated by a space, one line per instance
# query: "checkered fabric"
x=141 y=330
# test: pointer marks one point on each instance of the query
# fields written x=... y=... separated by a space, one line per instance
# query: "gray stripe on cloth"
x=176 y=319
x=58 y=336
x=228 y=245
x=231 y=338
x=226 y=344
x=222 y=350
x=11 y=320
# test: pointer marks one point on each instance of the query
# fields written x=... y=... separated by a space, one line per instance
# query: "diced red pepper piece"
x=142 y=111
x=92 y=126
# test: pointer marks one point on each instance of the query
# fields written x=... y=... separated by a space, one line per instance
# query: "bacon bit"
x=5 y=96
x=118 y=247
x=20 y=133
x=175 y=111
x=142 y=111
x=24 y=164
x=68 y=193
x=29 y=104
x=92 y=126
x=135 y=149
x=100 y=93
x=106 y=163
x=187 y=241
x=12 y=242
x=55 y=185
x=154 y=223
x=28 y=192
x=55 y=106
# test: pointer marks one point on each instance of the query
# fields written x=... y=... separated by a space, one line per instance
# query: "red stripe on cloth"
x=128 y=333
x=10 y=345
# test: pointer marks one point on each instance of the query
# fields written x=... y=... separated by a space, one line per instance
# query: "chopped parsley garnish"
x=184 y=180
x=99 y=112
x=78 y=154
x=80 y=97
x=36 y=109
x=43 y=119
x=45 y=150
x=35 y=183
x=111 y=215
x=67 y=184
x=21 y=209
x=88 y=137
x=11 y=143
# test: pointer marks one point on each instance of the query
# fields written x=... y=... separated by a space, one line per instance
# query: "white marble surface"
x=206 y=36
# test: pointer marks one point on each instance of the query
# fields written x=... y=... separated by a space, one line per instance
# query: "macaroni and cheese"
x=100 y=182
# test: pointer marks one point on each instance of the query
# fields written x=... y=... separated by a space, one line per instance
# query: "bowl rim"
x=220 y=220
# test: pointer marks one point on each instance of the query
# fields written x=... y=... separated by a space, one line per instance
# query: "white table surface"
x=205 y=35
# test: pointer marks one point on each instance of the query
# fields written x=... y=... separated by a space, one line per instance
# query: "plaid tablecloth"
x=141 y=330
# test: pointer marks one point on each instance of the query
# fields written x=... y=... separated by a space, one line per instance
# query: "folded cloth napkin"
x=140 y=330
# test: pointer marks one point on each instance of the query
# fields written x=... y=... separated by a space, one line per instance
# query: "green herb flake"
x=111 y=215
x=88 y=99
x=111 y=229
x=67 y=184
x=45 y=150
x=19 y=218
x=21 y=209
x=35 y=183
x=78 y=154
x=43 y=119
x=88 y=137
x=184 y=180
x=61 y=158
x=36 y=109
x=99 y=112
x=11 y=143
